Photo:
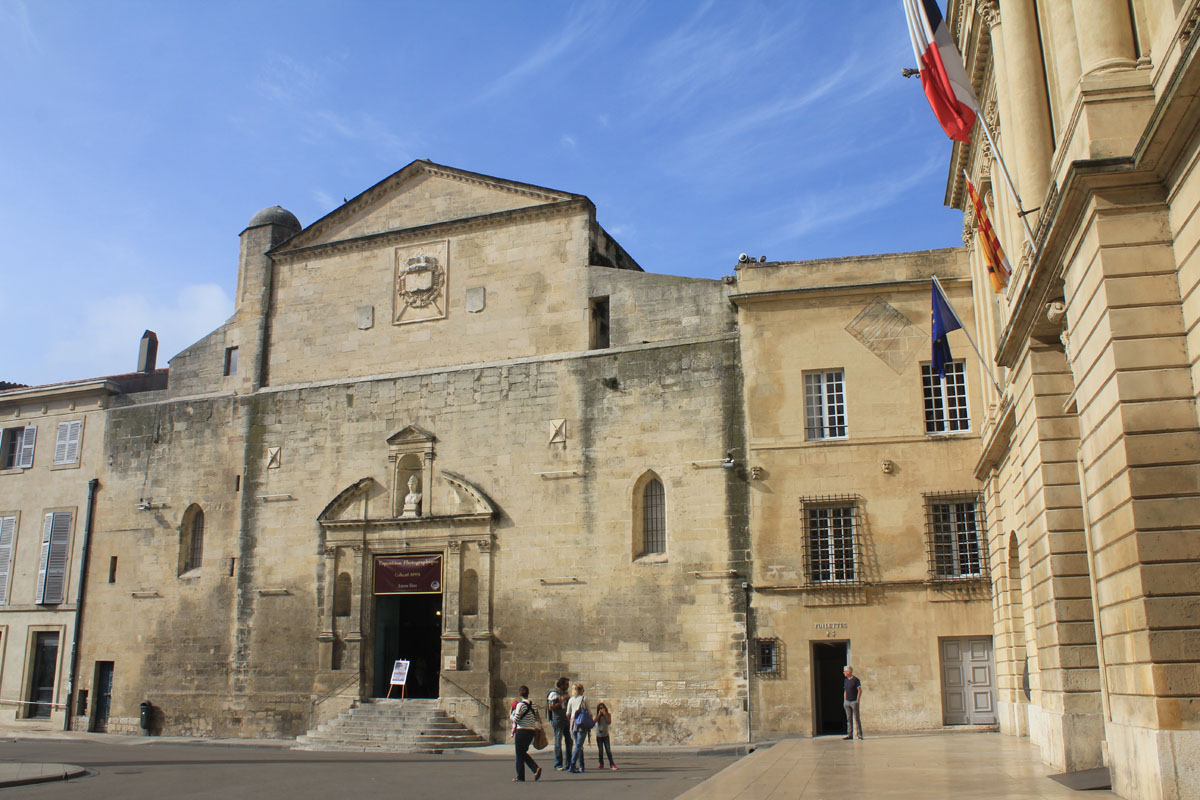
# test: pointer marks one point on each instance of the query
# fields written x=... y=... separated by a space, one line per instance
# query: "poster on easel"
x=399 y=678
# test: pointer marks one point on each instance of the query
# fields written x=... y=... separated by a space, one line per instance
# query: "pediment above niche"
x=421 y=194
x=404 y=440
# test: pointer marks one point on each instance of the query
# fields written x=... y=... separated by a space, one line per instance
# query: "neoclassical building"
x=1090 y=451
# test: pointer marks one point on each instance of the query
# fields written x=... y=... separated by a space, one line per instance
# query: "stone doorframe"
x=352 y=536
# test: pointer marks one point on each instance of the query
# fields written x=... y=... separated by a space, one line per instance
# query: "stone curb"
x=22 y=774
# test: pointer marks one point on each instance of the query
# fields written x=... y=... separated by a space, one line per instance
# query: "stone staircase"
x=391 y=726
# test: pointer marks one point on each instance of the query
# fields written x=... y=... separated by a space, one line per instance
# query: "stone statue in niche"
x=412 y=500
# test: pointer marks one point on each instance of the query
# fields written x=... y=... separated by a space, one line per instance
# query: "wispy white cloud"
x=285 y=80
x=568 y=141
x=104 y=336
x=325 y=201
x=322 y=125
x=583 y=21
x=821 y=210
x=707 y=142
x=705 y=52
x=14 y=16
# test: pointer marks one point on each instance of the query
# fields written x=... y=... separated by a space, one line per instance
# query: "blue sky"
x=140 y=137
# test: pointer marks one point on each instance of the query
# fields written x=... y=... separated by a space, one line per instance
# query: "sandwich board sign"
x=399 y=677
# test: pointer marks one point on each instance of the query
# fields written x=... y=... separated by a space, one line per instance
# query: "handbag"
x=539 y=738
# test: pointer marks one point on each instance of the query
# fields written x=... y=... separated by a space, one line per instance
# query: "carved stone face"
x=887 y=466
x=412 y=484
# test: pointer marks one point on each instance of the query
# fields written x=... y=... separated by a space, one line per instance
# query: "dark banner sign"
x=408 y=574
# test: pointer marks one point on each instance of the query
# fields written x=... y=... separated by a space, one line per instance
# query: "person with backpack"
x=525 y=722
x=556 y=702
x=581 y=725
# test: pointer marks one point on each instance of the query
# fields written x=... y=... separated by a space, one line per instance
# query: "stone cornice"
x=911 y=284
x=416 y=169
x=292 y=255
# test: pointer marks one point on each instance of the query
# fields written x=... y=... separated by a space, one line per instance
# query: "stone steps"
x=391 y=726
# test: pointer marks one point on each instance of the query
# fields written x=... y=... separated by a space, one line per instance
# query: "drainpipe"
x=749 y=693
x=83 y=568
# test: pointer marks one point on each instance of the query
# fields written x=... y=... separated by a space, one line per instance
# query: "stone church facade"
x=452 y=371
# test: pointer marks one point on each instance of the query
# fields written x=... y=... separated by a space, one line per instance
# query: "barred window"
x=191 y=539
x=953 y=524
x=654 y=518
x=767 y=656
x=831 y=540
x=945 y=401
x=825 y=405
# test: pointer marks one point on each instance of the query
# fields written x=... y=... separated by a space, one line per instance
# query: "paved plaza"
x=984 y=766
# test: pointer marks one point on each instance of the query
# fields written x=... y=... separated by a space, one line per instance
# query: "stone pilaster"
x=1064 y=716
x=1140 y=462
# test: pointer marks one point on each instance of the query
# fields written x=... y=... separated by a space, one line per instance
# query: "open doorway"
x=828 y=659
x=408 y=627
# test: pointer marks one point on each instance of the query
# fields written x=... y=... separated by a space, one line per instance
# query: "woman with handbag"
x=526 y=724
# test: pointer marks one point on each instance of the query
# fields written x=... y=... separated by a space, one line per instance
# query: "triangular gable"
x=423 y=193
x=410 y=436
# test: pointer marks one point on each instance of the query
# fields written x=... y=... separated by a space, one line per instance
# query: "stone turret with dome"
x=275 y=215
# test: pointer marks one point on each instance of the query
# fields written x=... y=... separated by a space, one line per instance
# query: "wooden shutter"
x=25 y=460
x=8 y=527
x=66 y=448
x=52 y=570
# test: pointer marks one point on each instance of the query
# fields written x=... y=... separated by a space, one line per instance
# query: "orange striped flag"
x=997 y=265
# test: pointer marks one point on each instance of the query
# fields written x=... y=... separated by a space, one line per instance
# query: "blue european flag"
x=944 y=321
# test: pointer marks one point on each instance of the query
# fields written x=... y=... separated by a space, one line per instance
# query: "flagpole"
x=986 y=363
x=1021 y=212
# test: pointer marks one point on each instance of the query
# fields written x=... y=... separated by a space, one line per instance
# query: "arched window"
x=654 y=518
x=649 y=522
x=191 y=539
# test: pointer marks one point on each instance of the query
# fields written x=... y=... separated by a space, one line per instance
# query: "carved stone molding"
x=454 y=546
x=330 y=552
x=989 y=10
x=485 y=545
x=1189 y=27
x=358 y=548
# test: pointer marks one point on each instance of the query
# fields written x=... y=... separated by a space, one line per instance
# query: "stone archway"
x=365 y=522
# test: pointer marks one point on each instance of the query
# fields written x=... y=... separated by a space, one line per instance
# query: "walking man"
x=852 y=694
x=556 y=701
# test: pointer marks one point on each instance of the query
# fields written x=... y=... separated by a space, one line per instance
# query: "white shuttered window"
x=52 y=569
x=66 y=448
x=27 y=443
x=8 y=531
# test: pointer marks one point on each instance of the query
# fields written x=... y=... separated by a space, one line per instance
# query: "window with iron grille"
x=945 y=401
x=767 y=657
x=654 y=518
x=825 y=405
x=831 y=540
x=953 y=525
x=192 y=539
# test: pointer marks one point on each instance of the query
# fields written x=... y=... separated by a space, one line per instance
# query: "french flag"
x=942 y=73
